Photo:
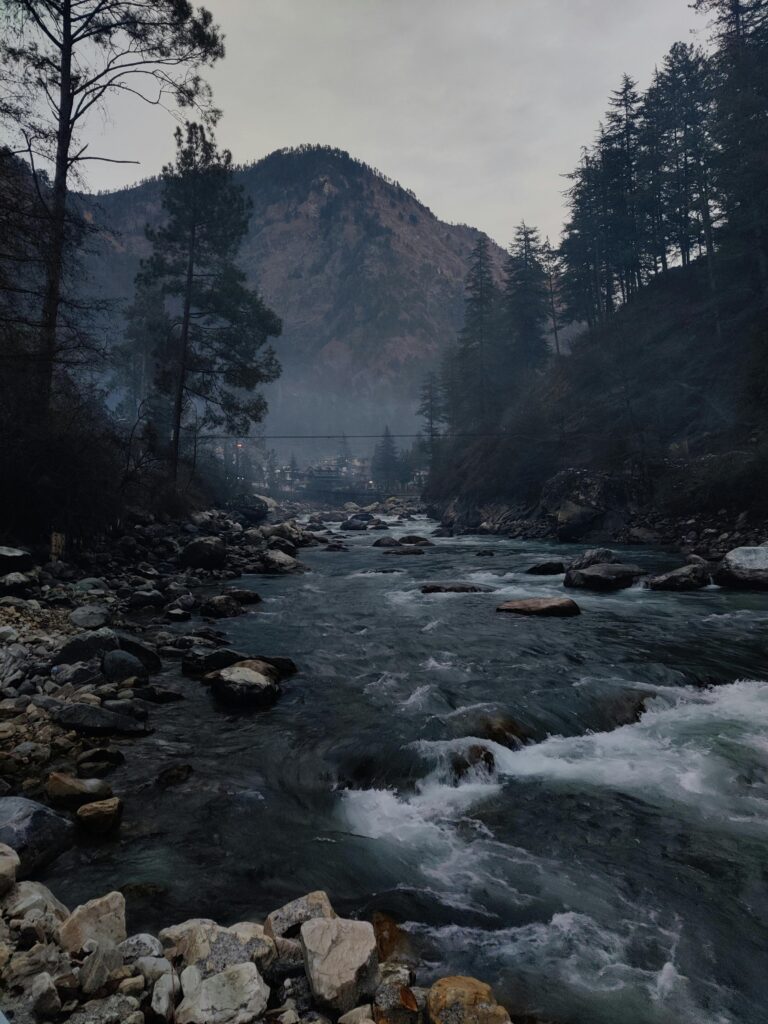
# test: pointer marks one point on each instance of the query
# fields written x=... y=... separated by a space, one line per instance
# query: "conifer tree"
x=429 y=410
x=219 y=355
x=385 y=465
x=476 y=338
x=525 y=308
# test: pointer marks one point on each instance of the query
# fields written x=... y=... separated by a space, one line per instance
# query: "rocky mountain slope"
x=368 y=281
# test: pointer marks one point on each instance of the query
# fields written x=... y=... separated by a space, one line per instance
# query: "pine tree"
x=219 y=354
x=476 y=339
x=385 y=465
x=71 y=56
x=525 y=310
x=429 y=410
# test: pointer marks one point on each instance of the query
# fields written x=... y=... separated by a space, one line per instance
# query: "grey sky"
x=479 y=106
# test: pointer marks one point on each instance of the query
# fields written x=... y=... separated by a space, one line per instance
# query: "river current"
x=610 y=868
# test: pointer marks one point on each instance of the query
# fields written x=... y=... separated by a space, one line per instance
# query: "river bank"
x=500 y=785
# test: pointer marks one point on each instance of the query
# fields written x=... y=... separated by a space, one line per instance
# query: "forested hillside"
x=664 y=264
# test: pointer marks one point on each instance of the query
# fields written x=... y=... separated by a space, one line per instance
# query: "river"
x=611 y=869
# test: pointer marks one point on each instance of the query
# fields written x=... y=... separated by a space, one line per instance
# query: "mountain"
x=368 y=281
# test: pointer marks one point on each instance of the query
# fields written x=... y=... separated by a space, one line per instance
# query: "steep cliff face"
x=369 y=283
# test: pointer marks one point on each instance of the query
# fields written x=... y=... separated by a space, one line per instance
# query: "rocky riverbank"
x=83 y=646
x=302 y=964
x=578 y=506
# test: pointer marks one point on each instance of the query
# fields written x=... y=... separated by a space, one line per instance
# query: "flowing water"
x=612 y=868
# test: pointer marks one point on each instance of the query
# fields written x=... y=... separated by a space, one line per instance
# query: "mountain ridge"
x=368 y=281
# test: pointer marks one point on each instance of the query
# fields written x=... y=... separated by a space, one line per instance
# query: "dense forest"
x=663 y=267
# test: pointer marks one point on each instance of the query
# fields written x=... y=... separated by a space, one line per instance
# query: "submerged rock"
x=222 y=606
x=455 y=588
x=559 y=607
x=551 y=568
x=69 y=791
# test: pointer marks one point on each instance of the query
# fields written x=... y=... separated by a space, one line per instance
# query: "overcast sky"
x=479 y=106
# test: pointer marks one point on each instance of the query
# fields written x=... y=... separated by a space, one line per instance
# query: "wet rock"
x=286 y=921
x=386 y=542
x=173 y=775
x=416 y=541
x=85 y=646
x=204 y=553
x=90 y=616
x=551 y=568
x=477 y=760
x=455 y=588
x=460 y=1000
x=101 y=817
x=243 y=596
x=35 y=832
x=145 y=654
x=642 y=535
x=222 y=606
x=90 y=720
x=341 y=961
x=558 y=607
x=120 y=665
x=68 y=791
x=101 y=920
x=392 y=943
x=687 y=577
x=504 y=730
x=14 y=560
x=594 y=556
x=237 y=995
x=404 y=549
x=744 y=569
x=278 y=563
x=604 y=578
x=146 y=598
x=249 y=683
x=98 y=762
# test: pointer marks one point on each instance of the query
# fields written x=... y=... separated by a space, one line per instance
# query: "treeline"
x=196 y=347
x=669 y=204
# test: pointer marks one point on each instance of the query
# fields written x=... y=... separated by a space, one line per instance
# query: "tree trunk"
x=181 y=379
x=58 y=213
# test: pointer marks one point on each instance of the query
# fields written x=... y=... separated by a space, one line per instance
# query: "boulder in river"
x=460 y=1000
x=69 y=791
x=551 y=568
x=404 y=549
x=36 y=833
x=455 y=588
x=386 y=542
x=594 y=556
x=277 y=563
x=221 y=606
x=687 y=577
x=146 y=654
x=100 y=817
x=604 y=577
x=552 y=607
x=341 y=961
x=120 y=665
x=204 y=553
x=249 y=683
x=744 y=569
x=416 y=540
